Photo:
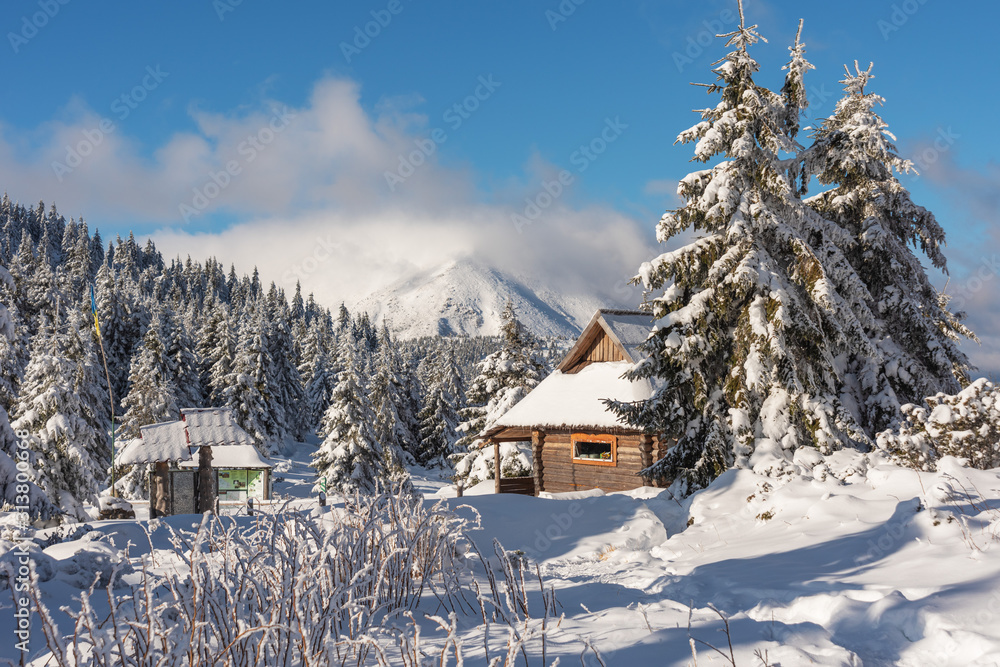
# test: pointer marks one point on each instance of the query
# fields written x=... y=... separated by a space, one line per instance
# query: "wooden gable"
x=600 y=348
x=597 y=343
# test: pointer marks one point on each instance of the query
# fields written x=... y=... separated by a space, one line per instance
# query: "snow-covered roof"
x=231 y=456
x=576 y=400
x=159 y=442
x=213 y=426
x=178 y=441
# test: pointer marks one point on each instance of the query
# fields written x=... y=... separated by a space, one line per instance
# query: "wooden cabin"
x=576 y=442
x=200 y=457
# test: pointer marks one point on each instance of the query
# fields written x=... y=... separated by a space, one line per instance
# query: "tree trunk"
x=206 y=481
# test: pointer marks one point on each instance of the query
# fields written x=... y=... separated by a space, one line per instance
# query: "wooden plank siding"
x=602 y=348
x=522 y=485
x=560 y=473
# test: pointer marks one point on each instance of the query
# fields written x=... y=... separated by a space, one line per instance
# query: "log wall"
x=560 y=473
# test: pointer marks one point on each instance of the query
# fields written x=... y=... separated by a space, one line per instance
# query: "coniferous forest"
x=184 y=334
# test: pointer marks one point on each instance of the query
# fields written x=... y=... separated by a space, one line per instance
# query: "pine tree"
x=505 y=377
x=215 y=353
x=317 y=373
x=351 y=458
x=247 y=391
x=915 y=335
x=15 y=494
x=183 y=362
x=392 y=433
x=91 y=388
x=754 y=315
x=439 y=418
x=152 y=394
x=50 y=410
x=119 y=327
x=284 y=375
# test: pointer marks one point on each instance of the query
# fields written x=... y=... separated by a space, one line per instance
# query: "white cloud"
x=308 y=188
x=343 y=257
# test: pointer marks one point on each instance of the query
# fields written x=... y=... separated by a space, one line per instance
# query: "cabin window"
x=598 y=450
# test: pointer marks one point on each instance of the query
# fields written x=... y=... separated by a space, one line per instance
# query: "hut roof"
x=213 y=426
x=165 y=441
x=178 y=441
x=576 y=400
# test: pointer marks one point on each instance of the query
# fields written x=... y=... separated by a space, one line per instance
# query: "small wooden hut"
x=200 y=457
x=576 y=442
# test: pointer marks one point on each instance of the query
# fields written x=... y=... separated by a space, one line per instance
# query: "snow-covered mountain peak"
x=466 y=297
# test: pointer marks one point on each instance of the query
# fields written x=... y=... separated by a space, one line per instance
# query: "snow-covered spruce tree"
x=966 y=425
x=50 y=410
x=92 y=390
x=351 y=457
x=119 y=326
x=505 y=377
x=318 y=373
x=247 y=391
x=760 y=316
x=215 y=353
x=152 y=395
x=183 y=362
x=915 y=334
x=283 y=373
x=14 y=351
x=13 y=493
x=439 y=417
x=392 y=433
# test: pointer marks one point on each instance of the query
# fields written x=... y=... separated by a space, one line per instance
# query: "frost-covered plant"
x=965 y=425
x=307 y=589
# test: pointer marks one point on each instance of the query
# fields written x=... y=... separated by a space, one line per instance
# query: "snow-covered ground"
x=855 y=562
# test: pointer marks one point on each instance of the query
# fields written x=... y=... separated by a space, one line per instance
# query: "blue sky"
x=310 y=199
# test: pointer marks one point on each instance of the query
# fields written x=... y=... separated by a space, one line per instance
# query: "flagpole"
x=111 y=398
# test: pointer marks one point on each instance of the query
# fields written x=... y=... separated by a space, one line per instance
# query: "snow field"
x=894 y=567
x=859 y=562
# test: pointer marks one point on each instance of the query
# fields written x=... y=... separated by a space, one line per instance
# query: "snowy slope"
x=466 y=297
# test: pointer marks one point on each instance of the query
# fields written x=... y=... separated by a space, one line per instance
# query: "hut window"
x=601 y=450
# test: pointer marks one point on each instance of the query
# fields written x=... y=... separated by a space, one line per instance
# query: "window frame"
x=594 y=438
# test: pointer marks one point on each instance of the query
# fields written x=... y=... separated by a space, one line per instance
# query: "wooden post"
x=646 y=455
x=159 y=490
x=206 y=481
x=496 y=466
x=537 y=444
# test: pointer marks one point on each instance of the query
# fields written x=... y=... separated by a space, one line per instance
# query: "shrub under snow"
x=965 y=425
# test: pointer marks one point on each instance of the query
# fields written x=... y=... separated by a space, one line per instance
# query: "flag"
x=93 y=309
